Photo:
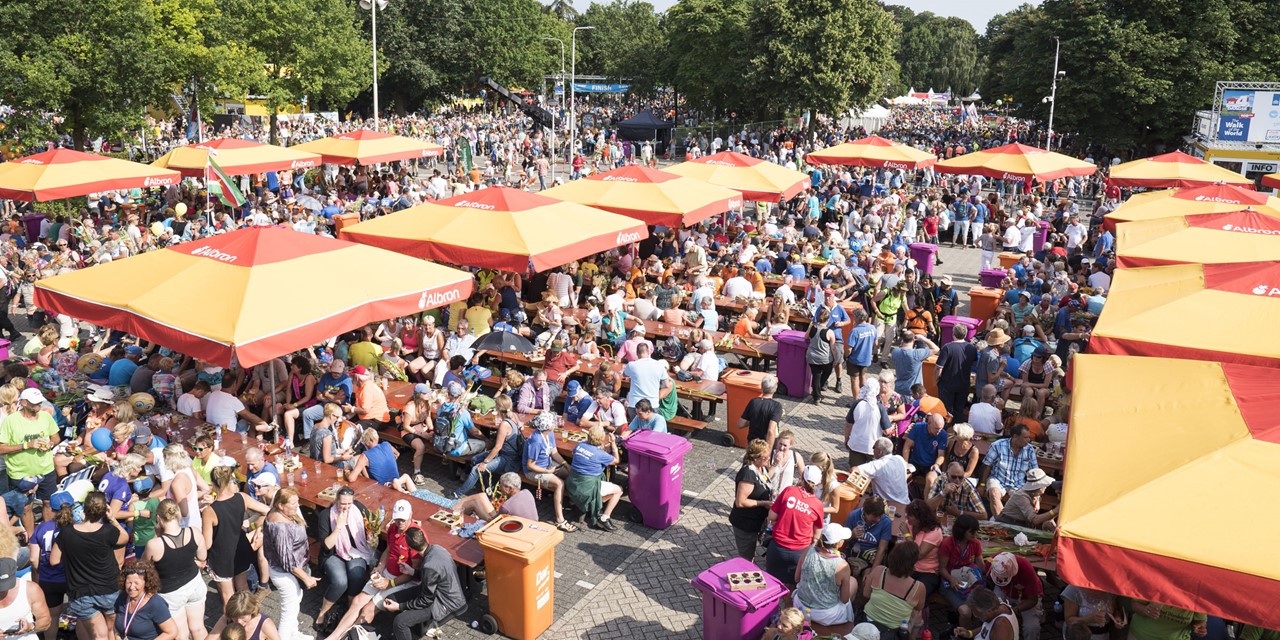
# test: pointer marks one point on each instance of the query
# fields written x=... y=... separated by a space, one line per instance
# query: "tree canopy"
x=1136 y=70
x=937 y=52
x=626 y=43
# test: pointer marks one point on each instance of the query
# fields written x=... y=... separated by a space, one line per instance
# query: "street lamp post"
x=373 y=7
x=573 y=79
x=1053 y=90
x=555 y=132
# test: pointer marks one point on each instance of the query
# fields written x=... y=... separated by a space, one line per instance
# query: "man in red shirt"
x=395 y=572
x=796 y=516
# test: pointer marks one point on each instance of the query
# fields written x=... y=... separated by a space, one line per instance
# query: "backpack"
x=446 y=422
x=672 y=349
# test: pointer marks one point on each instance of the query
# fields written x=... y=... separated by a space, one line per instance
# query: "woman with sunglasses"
x=139 y=614
x=285 y=545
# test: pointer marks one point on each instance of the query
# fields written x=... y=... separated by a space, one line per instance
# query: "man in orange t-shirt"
x=370 y=408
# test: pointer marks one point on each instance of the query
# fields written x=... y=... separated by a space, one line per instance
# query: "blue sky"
x=976 y=11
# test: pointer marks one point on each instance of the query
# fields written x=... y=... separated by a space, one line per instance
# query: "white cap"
x=864 y=631
x=812 y=474
x=33 y=396
x=402 y=510
x=265 y=480
x=836 y=533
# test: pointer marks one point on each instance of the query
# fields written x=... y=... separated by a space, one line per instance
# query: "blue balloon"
x=101 y=439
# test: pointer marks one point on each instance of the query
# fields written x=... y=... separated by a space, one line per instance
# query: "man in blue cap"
x=576 y=402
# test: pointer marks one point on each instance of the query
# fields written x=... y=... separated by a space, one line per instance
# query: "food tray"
x=330 y=494
x=574 y=436
x=858 y=481
x=447 y=518
x=745 y=580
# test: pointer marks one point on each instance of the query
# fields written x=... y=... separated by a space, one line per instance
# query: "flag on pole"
x=221 y=185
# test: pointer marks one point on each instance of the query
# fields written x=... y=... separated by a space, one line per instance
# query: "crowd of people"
x=159 y=518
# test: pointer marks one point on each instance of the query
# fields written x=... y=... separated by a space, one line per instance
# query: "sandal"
x=566 y=526
x=419 y=479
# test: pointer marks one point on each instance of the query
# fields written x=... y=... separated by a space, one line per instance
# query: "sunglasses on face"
x=956 y=478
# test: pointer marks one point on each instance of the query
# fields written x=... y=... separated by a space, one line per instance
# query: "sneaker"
x=419 y=479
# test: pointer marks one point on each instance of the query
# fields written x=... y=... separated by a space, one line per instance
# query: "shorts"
x=541 y=478
x=992 y=483
x=86 y=607
x=217 y=578
x=378 y=595
x=608 y=488
x=410 y=437
x=55 y=593
x=191 y=593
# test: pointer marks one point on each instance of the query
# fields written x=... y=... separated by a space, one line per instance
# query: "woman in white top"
x=785 y=463
x=22 y=606
x=186 y=486
x=825 y=490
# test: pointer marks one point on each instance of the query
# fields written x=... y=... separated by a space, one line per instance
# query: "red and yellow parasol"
x=499 y=228
x=1240 y=302
x=653 y=196
x=1016 y=162
x=252 y=294
x=1174 y=170
x=1170 y=203
x=235 y=156
x=1153 y=442
x=1271 y=180
x=64 y=173
x=368 y=147
x=758 y=180
x=1213 y=238
x=874 y=151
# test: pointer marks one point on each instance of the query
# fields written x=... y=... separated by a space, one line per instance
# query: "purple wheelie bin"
x=944 y=327
x=736 y=615
x=657 y=476
x=1042 y=234
x=793 y=370
x=923 y=253
x=992 y=278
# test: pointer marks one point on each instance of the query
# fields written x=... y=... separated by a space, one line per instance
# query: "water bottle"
x=806 y=631
x=904 y=631
x=382 y=514
x=304 y=476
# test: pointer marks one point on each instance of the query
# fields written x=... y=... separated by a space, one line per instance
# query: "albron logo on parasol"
x=1266 y=290
x=473 y=205
x=302 y=164
x=720 y=162
x=156 y=182
x=1010 y=176
x=209 y=252
x=619 y=179
x=1239 y=229
x=895 y=165
x=735 y=203
x=31 y=161
x=627 y=238
x=435 y=299
x=1203 y=198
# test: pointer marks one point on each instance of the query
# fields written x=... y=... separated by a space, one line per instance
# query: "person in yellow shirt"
x=366 y=352
x=479 y=316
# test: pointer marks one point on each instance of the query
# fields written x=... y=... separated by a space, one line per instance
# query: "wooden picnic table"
x=900 y=529
x=795 y=316
x=320 y=476
x=763 y=349
x=709 y=390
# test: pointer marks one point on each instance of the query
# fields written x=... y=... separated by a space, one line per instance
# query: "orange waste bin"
x=742 y=386
x=520 y=560
x=927 y=372
x=983 y=302
x=848 y=307
x=847 y=495
x=344 y=220
x=1008 y=259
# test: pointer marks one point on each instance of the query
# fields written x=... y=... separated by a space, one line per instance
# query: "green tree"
x=306 y=49
x=827 y=55
x=937 y=52
x=95 y=63
x=709 y=53
x=1136 y=70
x=420 y=60
x=563 y=9
x=626 y=44
x=509 y=49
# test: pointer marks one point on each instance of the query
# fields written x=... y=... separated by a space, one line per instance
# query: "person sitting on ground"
x=586 y=487
x=1022 y=507
x=545 y=467
x=997 y=618
x=515 y=501
x=378 y=462
x=824 y=586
